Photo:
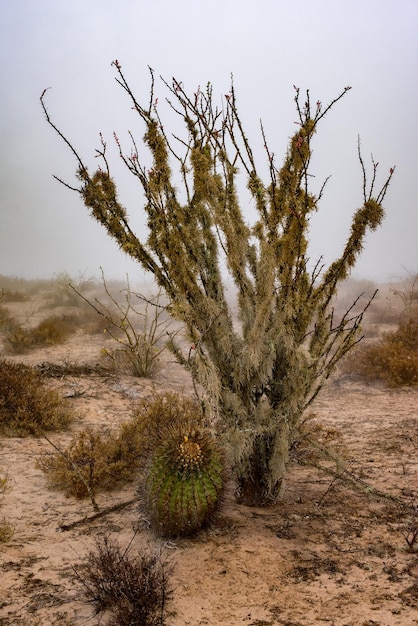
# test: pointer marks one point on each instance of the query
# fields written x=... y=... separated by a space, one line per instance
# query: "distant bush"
x=61 y=291
x=51 y=331
x=133 y=589
x=95 y=460
x=15 y=296
x=407 y=293
x=393 y=359
x=22 y=286
x=27 y=405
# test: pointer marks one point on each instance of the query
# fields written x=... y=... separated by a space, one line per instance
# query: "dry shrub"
x=61 y=290
x=387 y=313
x=142 y=361
x=392 y=360
x=92 y=324
x=103 y=459
x=141 y=333
x=52 y=330
x=27 y=405
x=6 y=531
x=94 y=460
x=131 y=589
x=154 y=415
x=27 y=286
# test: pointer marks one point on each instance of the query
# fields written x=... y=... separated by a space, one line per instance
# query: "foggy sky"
x=268 y=46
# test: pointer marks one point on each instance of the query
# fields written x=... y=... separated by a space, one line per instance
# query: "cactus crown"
x=186 y=448
x=190 y=454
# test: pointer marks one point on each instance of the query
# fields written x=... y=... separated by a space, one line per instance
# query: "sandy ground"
x=331 y=552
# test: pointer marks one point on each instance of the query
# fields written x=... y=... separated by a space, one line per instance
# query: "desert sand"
x=332 y=551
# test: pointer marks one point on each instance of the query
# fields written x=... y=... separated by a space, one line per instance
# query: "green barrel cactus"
x=184 y=481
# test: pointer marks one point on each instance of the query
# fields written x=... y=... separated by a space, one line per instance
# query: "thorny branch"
x=262 y=366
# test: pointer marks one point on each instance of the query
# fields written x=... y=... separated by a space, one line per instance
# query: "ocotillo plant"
x=261 y=373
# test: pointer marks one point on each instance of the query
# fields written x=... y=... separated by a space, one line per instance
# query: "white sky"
x=268 y=45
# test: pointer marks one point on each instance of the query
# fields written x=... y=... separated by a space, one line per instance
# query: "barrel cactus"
x=185 y=480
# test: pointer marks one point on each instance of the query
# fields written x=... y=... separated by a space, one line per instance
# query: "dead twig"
x=349 y=478
x=91 y=518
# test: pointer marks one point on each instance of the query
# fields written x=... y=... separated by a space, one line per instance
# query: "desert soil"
x=332 y=551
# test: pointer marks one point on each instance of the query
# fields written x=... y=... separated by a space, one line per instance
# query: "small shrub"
x=407 y=292
x=392 y=360
x=51 y=331
x=25 y=286
x=134 y=590
x=140 y=345
x=141 y=362
x=61 y=291
x=95 y=460
x=93 y=324
x=6 y=531
x=27 y=405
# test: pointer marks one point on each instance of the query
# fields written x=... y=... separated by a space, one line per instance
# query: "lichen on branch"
x=262 y=364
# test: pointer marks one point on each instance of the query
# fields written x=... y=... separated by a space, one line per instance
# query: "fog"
x=268 y=46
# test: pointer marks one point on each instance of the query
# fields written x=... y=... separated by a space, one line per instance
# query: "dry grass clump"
x=53 y=330
x=393 y=359
x=27 y=405
x=131 y=589
x=94 y=460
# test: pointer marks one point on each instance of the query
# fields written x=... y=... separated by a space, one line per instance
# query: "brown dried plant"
x=132 y=589
x=140 y=334
x=52 y=330
x=27 y=405
x=95 y=460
